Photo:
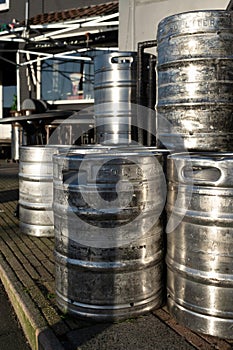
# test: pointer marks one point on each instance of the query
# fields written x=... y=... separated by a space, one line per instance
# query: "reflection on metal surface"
x=114 y=88
x=199 y=250
x=108 y=235
x=36 y=191
x=195 y=79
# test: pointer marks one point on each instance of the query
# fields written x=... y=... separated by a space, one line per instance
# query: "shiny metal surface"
x=199 y=249
x=206 y=33
x=195 y=80
x=47 y=117
x=115 y=87
x=36 y=186
x=16 y=139
x=36 y=190
x=104 y=270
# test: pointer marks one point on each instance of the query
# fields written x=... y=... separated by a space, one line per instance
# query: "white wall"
x=5 y=130
x=139 y=18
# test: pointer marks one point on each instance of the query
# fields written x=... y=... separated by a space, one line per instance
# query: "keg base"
x=109 y=313
x=37 y=230
x=206 y=324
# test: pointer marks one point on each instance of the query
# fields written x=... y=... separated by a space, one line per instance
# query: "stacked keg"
x=195 y=81
x=109 y=251
x=108 y=233
x=195 y=113
x=200 y=244
x=36 y=186
x=115 y=92
x=36 y=190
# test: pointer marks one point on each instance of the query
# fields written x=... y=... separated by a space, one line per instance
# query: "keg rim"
x=105 y=153
x=185 y=13
x=201 y=155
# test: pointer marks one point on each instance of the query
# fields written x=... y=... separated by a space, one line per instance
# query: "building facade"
x=47 y=50
x=140 y=18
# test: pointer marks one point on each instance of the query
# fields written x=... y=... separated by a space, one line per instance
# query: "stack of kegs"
x=103 y=203
x=108 y=199
x=195 y=81
x=195 y=120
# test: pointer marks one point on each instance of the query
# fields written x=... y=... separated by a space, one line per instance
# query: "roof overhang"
x=55 y=34
x=230 y=5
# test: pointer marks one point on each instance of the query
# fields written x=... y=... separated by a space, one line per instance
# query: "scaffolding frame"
x=48 y=33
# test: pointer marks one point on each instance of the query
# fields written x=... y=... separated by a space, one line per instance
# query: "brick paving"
x=11 y=335
x=27 y=273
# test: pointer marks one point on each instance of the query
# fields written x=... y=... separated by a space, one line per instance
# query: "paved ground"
x=27 y=273
x=11 y=333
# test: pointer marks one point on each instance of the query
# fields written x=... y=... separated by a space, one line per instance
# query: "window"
x=67 y=78
x=8 y=99
x=4 y=5
x=64 y=79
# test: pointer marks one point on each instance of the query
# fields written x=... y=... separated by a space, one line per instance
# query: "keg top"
x=202 y=21
x=106 y=152
x=202 y=169
x=36 y=153
x=116 y=60
x=214 y=156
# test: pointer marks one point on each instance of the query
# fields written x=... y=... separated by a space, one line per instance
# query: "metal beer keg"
x=114 y=91
x=36 y=190
x=108 y=235
x=195 y=81
x=36 y=187
x=200 y=241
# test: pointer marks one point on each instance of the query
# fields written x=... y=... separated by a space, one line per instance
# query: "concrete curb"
x=37 y=332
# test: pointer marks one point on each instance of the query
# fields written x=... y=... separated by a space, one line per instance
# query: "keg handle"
x=204 y=172
x=121 y=59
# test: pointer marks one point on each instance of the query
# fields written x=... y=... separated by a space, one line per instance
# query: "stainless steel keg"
x=36 y=187
x=36 y=190
x=200 y=241
x=108 y=235
x=114 y=91
x=195 y=81
x=16 y=140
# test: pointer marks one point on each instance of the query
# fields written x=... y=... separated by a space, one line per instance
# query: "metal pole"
x=38 y=80
x=27 y=8
x=230 y=6
x=18 y=79
x=142 y=97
